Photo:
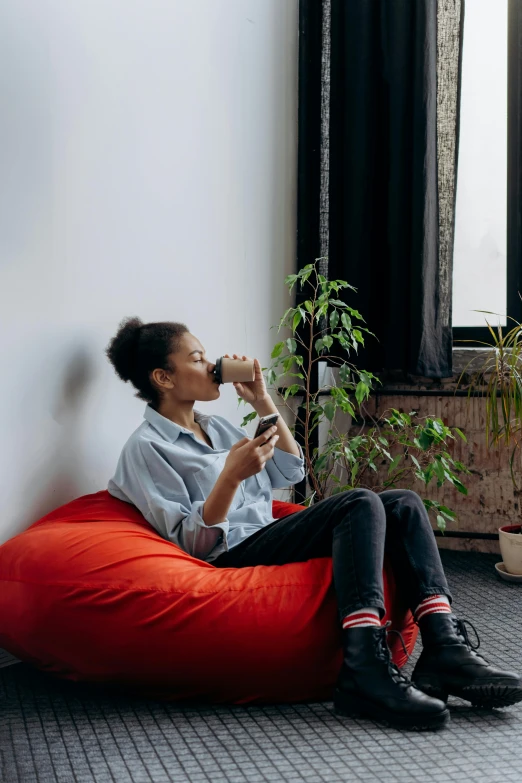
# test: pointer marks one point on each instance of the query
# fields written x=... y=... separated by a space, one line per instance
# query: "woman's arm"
x=220 y=499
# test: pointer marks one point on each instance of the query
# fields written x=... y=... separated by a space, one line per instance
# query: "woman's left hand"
x=251 y=391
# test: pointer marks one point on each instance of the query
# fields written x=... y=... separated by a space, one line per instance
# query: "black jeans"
x=355 y=528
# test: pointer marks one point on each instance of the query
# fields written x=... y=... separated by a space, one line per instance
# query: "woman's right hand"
x=248 y=455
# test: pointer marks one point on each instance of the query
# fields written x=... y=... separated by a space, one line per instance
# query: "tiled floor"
x=65 y=732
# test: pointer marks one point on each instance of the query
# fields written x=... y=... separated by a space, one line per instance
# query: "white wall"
x=148 y=159
x=479 y=274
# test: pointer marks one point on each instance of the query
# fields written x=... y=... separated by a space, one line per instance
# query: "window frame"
x=514 y=182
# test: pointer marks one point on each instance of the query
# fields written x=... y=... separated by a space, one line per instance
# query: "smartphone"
x=265 y=422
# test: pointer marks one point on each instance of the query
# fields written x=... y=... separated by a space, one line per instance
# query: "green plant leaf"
x=277 y=350
x=329 y=410
x=460 y=486
x=394 y=463
x=346 y=321
x=447 y=512
x=291 y=390
x=415 y=461
x=438 y=426
x=348 y=453
x=428 y=473
x=287 y=363
x=366 y=377
x=361 y=392
x=328 y=340
x=296 y=321
x=439 y=471
x=344 y=373
x=424 y=440
x=248 y=417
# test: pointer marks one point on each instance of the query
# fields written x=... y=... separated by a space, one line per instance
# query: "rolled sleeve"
x=184 y=525
x=286 y=469
x=162 y=497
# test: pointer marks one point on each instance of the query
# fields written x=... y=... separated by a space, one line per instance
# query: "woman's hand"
x=248 y=456
x=251 y=391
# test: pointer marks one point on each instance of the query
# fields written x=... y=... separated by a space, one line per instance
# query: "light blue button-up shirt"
x=168 y=473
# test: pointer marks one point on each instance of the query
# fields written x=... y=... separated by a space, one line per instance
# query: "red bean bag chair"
x=92 y=593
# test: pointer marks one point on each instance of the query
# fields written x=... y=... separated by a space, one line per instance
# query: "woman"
x=206 y=487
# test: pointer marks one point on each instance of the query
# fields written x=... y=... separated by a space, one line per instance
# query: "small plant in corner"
x=499 y=379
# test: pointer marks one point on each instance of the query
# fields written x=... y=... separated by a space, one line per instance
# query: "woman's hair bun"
x=137 y=349
x=123 y=347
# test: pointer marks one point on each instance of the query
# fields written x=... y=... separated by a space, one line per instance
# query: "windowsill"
x=465 y=360
x=463 y=356
x=470 y=358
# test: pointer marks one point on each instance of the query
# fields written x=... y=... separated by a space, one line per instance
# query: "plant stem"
x=311 y=472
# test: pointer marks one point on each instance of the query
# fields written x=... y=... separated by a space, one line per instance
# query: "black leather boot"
x=448 y=664
x=371 y=685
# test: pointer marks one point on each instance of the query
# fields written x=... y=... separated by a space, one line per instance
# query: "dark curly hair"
x=137 y=349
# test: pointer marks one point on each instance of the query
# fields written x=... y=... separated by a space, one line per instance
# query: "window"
x=486 y=274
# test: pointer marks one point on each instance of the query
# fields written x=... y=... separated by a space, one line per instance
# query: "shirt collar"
x=167 y=428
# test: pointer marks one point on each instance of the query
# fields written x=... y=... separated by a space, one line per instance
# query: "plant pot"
x=510 y=541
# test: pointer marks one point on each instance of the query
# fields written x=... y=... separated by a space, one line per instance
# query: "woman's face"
x=193 y=379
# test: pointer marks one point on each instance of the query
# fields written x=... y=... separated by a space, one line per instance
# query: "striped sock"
x=362 y=617
x=430 y=605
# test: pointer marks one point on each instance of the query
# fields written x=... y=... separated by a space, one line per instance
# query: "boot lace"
x=461 y=631
x=383 y=652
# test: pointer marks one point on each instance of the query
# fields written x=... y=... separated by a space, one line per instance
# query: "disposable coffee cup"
x=234 y=370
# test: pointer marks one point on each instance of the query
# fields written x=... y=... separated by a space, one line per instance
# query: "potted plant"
x=510 y=541
x=411 y=448
x=499 y=379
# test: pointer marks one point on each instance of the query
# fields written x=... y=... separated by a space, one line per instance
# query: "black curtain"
x=391 y=139
x=379 y=96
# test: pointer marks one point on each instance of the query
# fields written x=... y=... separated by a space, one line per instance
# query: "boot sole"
x=355 y=707
x=491 y=695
